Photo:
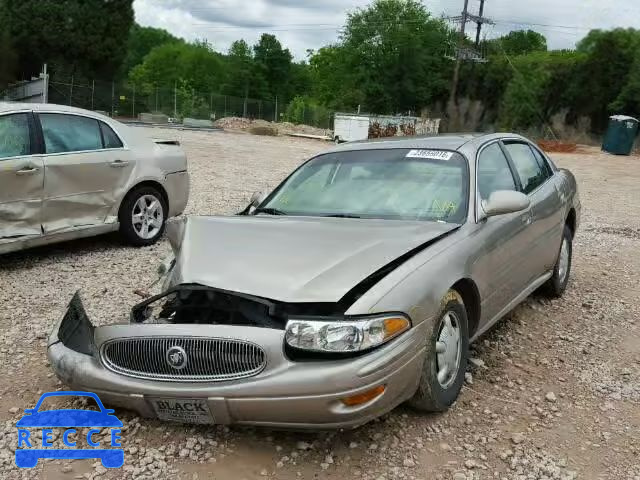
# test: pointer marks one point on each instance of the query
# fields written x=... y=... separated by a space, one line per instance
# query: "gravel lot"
x=554 y=392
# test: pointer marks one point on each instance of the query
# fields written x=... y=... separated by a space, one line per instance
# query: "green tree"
x=141 y=41
x=8 y=56
x=78 y=37
x=519 y=42
x=272 y=68
x=239 y=67
x=195 y=66
x=605 y=81
x=390 y=59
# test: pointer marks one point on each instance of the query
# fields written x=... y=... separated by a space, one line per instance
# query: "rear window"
x=111 y=140
x=70 y=133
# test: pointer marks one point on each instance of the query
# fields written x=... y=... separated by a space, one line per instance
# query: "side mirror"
x=502 y=202
x=257 y=198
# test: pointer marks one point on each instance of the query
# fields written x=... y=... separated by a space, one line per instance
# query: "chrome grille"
x=207 y=359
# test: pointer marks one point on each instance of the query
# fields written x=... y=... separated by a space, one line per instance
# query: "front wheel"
x=557 y=284
x=143 y=215
x=446 y=357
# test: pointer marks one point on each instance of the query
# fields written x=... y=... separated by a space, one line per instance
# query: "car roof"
x=44 y=107
x=452 y=141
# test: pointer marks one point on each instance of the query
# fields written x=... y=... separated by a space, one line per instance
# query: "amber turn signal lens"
x=395 y=325
x=364 y=397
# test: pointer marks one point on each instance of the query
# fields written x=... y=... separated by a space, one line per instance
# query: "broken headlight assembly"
x=344 y=336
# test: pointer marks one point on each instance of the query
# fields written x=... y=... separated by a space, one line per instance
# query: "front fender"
x=418 y=286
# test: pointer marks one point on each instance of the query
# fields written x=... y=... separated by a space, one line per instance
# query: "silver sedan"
x=68 y=173
x=356 y=285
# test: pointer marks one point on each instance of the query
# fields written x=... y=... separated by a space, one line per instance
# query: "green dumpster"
x=620 y=135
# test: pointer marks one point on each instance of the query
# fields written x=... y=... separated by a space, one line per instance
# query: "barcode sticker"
x=430 y=154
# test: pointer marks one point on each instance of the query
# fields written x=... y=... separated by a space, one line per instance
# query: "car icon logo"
x=30 y=450
x=177 y=357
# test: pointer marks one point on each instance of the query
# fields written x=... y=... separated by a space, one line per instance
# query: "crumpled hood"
x=291 y=259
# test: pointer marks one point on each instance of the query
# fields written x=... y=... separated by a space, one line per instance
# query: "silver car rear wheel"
x=143 y=214
x=147 y=217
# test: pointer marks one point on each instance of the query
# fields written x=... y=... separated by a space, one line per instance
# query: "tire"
x=557 y=284
x=154 y=218
x=434 y=395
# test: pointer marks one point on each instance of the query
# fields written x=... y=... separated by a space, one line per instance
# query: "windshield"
x=398 y=184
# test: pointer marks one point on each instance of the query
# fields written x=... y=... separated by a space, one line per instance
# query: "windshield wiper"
x=341 y=215
x=269 y=211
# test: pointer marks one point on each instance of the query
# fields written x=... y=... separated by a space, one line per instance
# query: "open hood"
x=292 y=259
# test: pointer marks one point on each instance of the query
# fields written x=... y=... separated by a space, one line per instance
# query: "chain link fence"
x=123 y=100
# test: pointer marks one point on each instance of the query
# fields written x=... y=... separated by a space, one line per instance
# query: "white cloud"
x=304 y=24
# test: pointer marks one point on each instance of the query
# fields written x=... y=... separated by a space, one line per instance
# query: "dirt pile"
x=284 y=128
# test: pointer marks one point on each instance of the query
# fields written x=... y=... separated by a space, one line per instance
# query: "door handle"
x=118 y=164
x=27 y=171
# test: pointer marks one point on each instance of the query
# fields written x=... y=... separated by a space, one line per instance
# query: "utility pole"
x=456 y=69
x=276 y=112
x=175 y=99
x=45 y=87
x=479 y=30
x=465 y=53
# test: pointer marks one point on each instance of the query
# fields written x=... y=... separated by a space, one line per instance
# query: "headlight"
x=349 y=335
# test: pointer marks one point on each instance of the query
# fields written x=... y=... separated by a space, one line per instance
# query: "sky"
x=311 y=24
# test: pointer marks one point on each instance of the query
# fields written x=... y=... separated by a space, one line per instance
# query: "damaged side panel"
x=82 y=188
x=21 y=190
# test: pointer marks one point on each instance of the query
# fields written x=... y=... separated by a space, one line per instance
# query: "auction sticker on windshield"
x=183 y=410
x=430 y=154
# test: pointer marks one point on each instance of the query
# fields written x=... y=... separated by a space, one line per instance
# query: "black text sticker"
x=430 y=154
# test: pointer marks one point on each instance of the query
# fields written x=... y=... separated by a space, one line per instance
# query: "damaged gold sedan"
x=67 y=173
x=355 y=286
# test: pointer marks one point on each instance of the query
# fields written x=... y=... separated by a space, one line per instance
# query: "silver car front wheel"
x=446 y=356
x=448 y=349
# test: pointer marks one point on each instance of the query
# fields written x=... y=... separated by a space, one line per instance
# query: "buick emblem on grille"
x=177 y=357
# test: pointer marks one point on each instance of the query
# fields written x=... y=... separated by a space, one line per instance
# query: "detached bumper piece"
x=75 y=330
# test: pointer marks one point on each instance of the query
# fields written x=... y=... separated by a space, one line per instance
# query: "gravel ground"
x=554 y=392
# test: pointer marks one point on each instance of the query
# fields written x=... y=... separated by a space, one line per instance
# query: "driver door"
x=503 y=240
x=21 y=178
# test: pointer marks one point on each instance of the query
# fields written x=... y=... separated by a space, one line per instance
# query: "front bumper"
x=286 y=394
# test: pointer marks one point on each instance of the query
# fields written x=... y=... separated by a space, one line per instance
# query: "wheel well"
x=150 y=183
x=471 y=298
x=571 y=221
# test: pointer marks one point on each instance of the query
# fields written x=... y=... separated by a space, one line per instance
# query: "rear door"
x=505 y=239
x=538 y=181
x=21 y=177
x=84 y=164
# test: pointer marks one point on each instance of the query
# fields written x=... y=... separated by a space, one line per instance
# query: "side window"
x=14 y=135
x=531 y=173
x=110 y=138
x=493 y=172
x=543 y=161
x=70 y=133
